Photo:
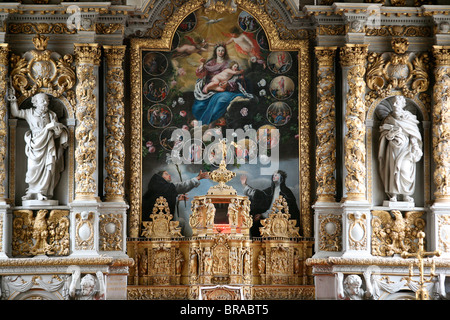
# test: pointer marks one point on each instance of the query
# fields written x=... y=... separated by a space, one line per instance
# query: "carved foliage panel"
x=330 y=232
x=40 y=233
x=85 y=230
x=111 y=232
x=394 y=232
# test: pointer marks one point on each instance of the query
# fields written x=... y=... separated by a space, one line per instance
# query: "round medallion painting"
x=279 y=62
x=155 y=63
x=279 y=113
x=155 y=90
x=247 y=22
x=159 y=116
x=282 y=87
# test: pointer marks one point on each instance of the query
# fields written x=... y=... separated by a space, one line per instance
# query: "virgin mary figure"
x=209 y=107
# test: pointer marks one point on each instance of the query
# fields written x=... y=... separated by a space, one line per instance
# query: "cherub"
x=194 y=47
x=219 y=81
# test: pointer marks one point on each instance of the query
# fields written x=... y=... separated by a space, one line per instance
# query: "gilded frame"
x=275 y=44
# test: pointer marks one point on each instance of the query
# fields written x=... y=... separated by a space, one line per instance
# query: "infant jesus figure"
x=219 y=81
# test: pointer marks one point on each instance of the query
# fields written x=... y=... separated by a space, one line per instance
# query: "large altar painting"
x=219 y=81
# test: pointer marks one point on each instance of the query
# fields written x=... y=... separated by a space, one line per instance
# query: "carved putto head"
x=400 y=45
x=40 y=42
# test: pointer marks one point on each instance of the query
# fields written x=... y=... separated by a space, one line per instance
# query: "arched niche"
x=378 y=111
x=18 y=160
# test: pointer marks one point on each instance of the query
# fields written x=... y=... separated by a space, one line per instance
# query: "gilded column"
x=87 y=61
x=115 y=125
x=353 y=58
x=441 y=123
x=440 y=217
x=4 y=52
x=5 y=223
x=326 y=125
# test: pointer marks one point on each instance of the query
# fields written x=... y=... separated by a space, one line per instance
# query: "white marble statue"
x=88 y=285
x=400 y=148
x=45 y=144
x=351 y=287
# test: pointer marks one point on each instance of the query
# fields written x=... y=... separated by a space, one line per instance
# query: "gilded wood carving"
x=42 y=233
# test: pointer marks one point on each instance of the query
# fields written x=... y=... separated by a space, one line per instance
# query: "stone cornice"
x=390 y=262
x=67 y=261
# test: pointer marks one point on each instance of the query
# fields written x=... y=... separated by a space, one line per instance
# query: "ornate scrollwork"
x=400 y=72
x=330 y=233
x=111 y=238
x=161 y=225
x=357 y=231
x=42 y=69
x=43 y=234
x=220 y=6
x=394 y=234
x=40 y=28
x=84 y=234
x=278 y=224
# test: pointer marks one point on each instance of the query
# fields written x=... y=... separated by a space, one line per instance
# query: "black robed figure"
x=161 y=185
x=263 y=200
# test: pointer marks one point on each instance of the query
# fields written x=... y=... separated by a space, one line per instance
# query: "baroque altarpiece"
x=224 y=149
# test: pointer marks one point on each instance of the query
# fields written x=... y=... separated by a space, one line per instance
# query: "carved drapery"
x=441 y=123
x=353 y=57
x=87 y=59
x=4 y=51
x=326 y=125
x=115 y=124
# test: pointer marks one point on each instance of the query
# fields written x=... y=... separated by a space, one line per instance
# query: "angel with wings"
x=246 y=44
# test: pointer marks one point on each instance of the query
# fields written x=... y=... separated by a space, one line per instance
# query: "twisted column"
x=326 y=125
x=4 y=53
x=87 y=57
x=353 y=60
x=115 y=125
x=441 y=123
